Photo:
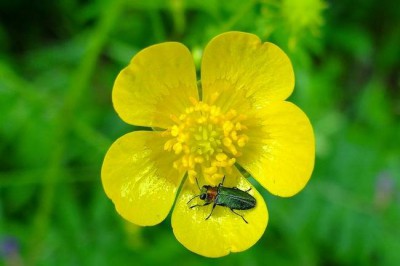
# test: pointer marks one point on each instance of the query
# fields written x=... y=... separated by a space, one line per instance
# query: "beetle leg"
x=242 y=190
x=199 y=205
x=239 y=215
x=211 y=211
x=192 y=199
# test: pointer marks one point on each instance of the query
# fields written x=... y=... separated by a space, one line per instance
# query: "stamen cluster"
x=206 y=141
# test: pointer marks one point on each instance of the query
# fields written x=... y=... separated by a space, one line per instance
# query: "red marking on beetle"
x=212 y=193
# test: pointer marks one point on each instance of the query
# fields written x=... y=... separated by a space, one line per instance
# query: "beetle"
x=232 y=198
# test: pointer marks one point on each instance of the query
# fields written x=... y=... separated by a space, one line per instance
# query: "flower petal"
x=236 y=65
x=281 y=149
x=224 y=231
x=138 y=176
x=157 y=83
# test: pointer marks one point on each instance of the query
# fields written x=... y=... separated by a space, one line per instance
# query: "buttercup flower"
x=237 y=117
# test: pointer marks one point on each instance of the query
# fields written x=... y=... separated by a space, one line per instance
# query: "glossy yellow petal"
x=280 y=152
x=138 y=176
x=224 y=231
x=157 y=83
x=237 y=66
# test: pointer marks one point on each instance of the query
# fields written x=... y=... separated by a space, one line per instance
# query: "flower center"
x=206 y=141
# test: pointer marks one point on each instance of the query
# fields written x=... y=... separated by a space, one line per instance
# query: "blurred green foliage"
x=58 y=61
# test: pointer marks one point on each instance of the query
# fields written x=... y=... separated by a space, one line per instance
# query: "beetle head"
x=203 y=193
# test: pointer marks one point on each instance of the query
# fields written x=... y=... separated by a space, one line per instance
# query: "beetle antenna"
x=197 y=182
x=193 y=198
x=222 y=183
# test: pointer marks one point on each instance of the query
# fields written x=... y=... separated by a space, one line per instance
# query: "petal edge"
x=281 y=151
x=137 y=175
x=157 y=83
x=238 y=65
x=223 y=232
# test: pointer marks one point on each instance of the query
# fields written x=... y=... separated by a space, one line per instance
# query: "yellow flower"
x=242 y=119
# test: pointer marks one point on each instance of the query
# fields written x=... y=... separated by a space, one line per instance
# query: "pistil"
x=206 y=141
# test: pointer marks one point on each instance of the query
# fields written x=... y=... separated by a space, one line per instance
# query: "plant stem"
x=63 y=122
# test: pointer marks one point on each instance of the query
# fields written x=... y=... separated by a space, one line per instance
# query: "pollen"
x=206 y=141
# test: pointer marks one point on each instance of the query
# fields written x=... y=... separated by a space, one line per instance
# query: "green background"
x=58 y=61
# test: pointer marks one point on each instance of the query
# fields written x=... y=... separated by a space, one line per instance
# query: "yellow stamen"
x=206 y=141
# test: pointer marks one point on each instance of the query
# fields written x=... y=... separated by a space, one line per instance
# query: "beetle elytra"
x=232 y=198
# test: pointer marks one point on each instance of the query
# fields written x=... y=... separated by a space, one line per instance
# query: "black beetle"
x=232 y=198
